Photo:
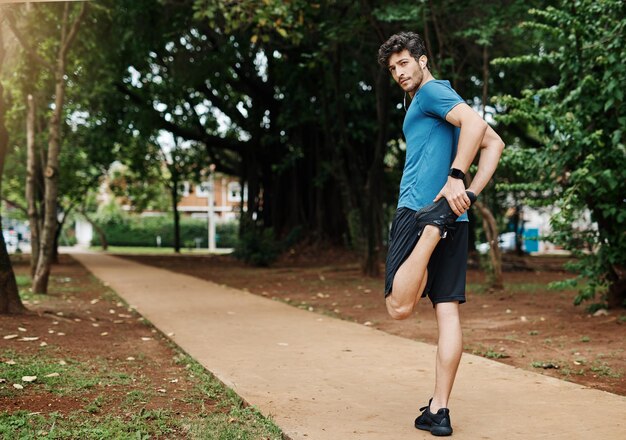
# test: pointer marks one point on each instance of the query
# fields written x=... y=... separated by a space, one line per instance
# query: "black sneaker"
x=439 y=214
x=438 y=424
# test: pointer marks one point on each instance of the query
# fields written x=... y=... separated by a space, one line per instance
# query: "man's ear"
x=423 y=61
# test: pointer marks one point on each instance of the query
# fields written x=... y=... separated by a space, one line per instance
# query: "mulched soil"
x=82 y=322
x=526 y=325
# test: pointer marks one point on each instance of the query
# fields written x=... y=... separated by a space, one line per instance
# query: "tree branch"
x=27 y=48
x=67 y=41
x=186 y=133
x=15 y=204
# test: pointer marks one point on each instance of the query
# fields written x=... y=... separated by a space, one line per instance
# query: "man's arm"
x=491 y=149
x=473 y=129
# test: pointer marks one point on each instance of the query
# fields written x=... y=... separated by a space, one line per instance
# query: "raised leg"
x=410 y=279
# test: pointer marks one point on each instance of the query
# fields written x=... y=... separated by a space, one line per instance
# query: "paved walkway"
x=321 y=378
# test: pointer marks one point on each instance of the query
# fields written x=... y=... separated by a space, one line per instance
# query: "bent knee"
x=398 y=311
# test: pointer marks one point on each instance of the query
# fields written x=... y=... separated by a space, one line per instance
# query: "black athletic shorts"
x=447 y=265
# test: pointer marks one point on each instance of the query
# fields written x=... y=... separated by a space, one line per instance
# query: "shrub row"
x=143 y=231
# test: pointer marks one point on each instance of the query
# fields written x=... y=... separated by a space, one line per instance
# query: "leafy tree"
x=580 y=123
x=55 y=63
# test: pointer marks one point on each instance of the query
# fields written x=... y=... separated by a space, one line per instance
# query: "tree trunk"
x=175 y=208
x=31 y=185
x=101 y=235
x=375 y=179
x=51 y=174
x=616 y=295
x=491 y=229
x=10 y=301
x=57 y=235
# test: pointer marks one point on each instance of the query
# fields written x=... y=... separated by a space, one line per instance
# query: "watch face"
x=457 y=174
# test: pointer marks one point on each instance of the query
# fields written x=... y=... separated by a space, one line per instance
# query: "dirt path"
x=528 y=326
x=325 y=378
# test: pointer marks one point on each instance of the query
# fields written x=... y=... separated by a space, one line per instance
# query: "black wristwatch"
x=456 y=173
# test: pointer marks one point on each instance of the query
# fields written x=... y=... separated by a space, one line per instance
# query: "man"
x=428 y=237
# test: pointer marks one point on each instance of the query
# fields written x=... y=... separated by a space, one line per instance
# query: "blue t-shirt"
x=431 y=144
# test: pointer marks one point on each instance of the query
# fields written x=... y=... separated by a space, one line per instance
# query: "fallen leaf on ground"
x=146 y=339
x=11 y=336
x=2 y=380
x=162 y=390
x=130 y=358
x=22 y=329
x=52 y=375
x=601 y=312
x=43 y=344
x=29 y=378
x=94 y=301
x=171 y=334
x=104 y=334
x=29 y=338
x=95 y=324
x=62 y=362
x=60 y=334
x=367 y=323
x=18 y=386
x=10 y=362
x=174 y=381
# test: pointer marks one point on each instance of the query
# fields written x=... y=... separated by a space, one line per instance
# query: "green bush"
x=227 y=234
x=133 y=230
x=258 y=247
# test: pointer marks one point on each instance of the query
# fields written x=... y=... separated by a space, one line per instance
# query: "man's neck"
x=427 y=77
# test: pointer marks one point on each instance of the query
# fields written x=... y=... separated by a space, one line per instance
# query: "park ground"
x=103 y=371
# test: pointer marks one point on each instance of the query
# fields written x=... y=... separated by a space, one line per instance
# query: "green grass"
x=219 y=412
x=23 y=286
x=22 y=281
x=489 y=353
x=603 y=369
x=74 y=377
x=152 y=250
x=477 y=288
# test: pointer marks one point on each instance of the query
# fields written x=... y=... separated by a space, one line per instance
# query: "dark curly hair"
x=397 y=43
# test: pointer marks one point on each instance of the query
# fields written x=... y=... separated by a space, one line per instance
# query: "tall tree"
x=580 y=121
x=69 y=26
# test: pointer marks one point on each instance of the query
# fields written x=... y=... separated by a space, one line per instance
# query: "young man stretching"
x=428 y=236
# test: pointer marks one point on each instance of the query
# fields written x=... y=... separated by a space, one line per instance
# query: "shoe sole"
x=439 y=431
